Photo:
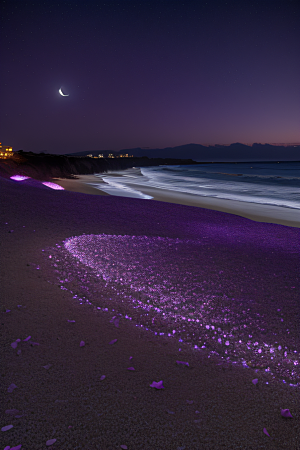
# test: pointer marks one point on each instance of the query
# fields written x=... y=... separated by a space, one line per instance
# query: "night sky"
x=148 y=73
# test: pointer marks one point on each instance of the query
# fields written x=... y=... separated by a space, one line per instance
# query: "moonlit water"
x=276 y=184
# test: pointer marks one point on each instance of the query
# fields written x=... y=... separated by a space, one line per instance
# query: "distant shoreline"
x=260 y=213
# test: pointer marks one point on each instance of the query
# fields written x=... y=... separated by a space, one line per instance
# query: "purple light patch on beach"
x=19 y=177
x=51 y=185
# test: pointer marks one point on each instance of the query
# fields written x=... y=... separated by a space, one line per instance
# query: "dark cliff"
x=45 y=167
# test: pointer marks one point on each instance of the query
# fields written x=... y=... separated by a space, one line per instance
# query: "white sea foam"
x=268 y=184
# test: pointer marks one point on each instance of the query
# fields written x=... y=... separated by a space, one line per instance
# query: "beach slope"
x=60 y=392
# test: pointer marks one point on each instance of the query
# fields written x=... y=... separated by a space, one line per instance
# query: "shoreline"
x=253 y=211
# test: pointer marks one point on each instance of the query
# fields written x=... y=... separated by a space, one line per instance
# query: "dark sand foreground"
x=203 y=406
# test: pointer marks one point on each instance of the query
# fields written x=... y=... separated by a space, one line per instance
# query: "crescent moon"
x=61 y=93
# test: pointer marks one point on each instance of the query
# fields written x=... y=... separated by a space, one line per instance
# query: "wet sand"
x=60 y=394
x=261 y=213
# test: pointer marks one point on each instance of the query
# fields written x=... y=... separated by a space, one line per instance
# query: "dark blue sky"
x=149 y=73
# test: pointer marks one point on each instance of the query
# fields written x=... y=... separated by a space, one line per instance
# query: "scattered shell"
x=184 y=363
x=51 y=441
x=82 y=344
x=47 y=366
x=113 y=341
x=255 y=381
x=124 y=447
x=7 y=427
x=14 y=345
x=286 y=413
x=71 y=321
x=265 y=431
x=102 y=377
x=11 y=387
x=27 y=339
x=130 y=368
x=157 y=385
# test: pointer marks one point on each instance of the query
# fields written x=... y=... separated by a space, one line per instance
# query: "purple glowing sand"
x=228 y=290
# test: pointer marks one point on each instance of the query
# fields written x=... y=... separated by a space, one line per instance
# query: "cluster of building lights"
x=110 y=155
x=5 y=151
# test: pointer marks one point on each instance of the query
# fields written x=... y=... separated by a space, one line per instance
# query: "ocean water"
x=270 y=183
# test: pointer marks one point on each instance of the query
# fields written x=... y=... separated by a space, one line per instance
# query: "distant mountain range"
x=217 y=153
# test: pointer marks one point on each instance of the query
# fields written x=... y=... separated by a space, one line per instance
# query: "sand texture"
x=60 y=391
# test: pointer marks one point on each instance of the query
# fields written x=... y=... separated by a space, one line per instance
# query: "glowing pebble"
x=265 y=431
x=102 y=377
x=255 y=381
x=157 y=385
x=51 y=441
x=286 y=413
x=130 y=368
x=113 y=341
x=82 y=344
x=14 y=345
x=8 y=427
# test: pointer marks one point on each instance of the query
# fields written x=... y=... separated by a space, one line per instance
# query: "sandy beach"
x=261 y=213
x=53 y=387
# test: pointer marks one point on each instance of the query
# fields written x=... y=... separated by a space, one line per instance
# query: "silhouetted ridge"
x=45 y=167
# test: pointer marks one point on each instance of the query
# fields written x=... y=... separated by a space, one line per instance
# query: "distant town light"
x=6 y=151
